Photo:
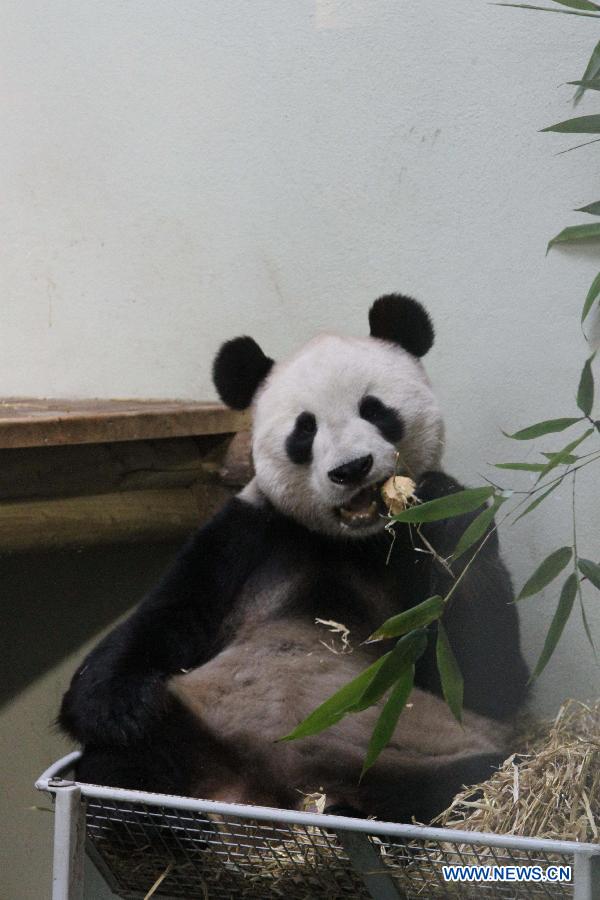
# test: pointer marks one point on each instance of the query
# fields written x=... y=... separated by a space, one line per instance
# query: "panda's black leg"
x=342 y=809
x=164 y=762
x=395 y=796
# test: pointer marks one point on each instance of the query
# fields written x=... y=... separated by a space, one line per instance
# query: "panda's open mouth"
x=363 y=508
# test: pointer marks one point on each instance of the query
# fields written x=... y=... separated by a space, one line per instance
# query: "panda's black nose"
x=352 y=472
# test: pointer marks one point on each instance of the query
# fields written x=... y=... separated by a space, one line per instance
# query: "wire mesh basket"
x=176 y=847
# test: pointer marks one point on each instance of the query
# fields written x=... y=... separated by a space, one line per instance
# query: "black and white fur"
x=190 y=694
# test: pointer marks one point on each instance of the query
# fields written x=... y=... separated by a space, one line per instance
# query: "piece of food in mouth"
x=398 y=493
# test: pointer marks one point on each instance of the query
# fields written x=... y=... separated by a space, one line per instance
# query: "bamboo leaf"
x=450 y=674
x=591 y=71
x=591 y=571
x=586 y=624
x=560 y=458
x=587 y=5
x=592 y=294
x=592 y=85
x=593 y=209
x=538 y=500
x=575 y=233
x=406 y=652
x=585 y=392
x=566 y=12
x=546 y=572
x=521 y=466
x=477 y=528
x=549 y=426
x=568 y=459
x=446 y=507
x=416 y=617
x=578 y=125
x=387 y=721
x=336 y=706
x=563 y=611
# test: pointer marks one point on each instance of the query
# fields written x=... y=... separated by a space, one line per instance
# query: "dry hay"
x=549 y=789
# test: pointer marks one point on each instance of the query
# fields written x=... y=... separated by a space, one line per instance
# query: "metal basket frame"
x=354 y=837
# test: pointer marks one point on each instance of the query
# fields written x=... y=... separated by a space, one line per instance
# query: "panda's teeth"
x=359 y=517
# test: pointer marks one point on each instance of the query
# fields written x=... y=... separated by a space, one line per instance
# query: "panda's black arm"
x=481 y=622
x=119 y=693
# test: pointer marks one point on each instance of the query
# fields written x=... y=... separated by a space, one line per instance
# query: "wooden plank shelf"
x=75 y=473
x=26 y=422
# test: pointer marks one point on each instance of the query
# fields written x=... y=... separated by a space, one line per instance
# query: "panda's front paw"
x=432 y=485
x=117 y=711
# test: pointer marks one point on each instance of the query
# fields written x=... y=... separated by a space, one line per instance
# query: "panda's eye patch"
x=306 y=423
x=386 y=419
x=299 y=442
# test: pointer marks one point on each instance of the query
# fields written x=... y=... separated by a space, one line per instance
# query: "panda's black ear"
x=402 y=320
x=239 y=367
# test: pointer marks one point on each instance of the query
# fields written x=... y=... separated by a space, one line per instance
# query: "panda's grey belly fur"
x=250 y=707
x=276 y=670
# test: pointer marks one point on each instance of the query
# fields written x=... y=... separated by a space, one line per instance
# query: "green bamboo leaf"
x=546 y=572
x=592 y=294
x=406 y=652
x=538 y=500
x=521 y=466
x=591 y=71
x=450 y=675
x=578 y=125
x=477 y=528
x=593 y=209
x=446 y=507
x=592 y=85
x=549 y=426
x=335 y=707
x=591 y=571
x=587 y=5
x=585 y=392
x=560 y=458
x=422 y=614
x=569 y=459
x=565 y=12
x=575 y=233
x=387 y=721
x=586 y=624
x=563 y=611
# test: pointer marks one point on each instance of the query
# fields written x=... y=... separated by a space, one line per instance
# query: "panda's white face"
x=332 y=423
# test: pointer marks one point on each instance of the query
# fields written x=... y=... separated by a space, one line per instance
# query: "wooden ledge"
x=44 y=423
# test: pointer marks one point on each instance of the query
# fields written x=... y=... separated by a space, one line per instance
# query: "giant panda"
x=191 y=694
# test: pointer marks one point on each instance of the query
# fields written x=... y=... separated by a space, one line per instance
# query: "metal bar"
x=69 y=842
x=58 y=768
x=368 y=864
x=587 y=877
x=335 y=823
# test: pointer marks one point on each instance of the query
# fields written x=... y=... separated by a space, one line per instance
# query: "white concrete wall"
x=179 y=172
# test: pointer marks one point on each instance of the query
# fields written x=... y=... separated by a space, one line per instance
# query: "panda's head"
x=338 y=418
